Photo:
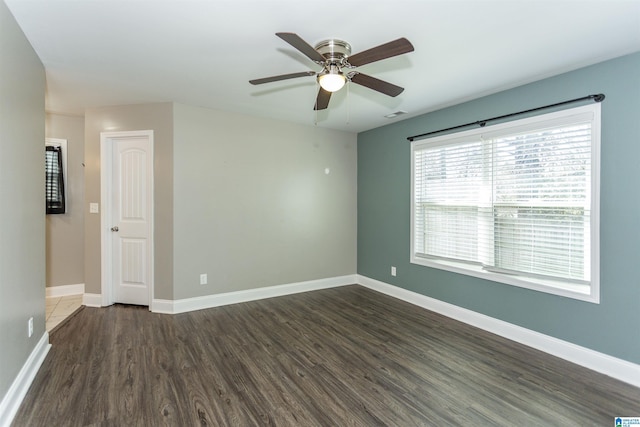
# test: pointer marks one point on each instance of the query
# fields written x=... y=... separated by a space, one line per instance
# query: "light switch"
x=94 y=208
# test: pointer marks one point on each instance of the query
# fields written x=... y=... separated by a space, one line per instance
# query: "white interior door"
x=130 y=218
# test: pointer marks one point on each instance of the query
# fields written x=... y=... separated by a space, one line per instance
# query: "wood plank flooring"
x=346 y=356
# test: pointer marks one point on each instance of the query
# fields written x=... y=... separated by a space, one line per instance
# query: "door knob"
x=115 y=228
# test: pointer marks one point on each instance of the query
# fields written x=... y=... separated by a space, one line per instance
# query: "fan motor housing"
x=334 y=50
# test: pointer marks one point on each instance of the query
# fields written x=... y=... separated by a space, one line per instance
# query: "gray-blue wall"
x=384 y=176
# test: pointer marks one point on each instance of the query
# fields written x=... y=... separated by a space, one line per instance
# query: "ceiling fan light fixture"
x=332 y=80
x=334 y=56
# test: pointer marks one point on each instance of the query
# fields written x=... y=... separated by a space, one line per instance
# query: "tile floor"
x=58 y=308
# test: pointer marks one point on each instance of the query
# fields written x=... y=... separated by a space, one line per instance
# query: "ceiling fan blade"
x=377 y=84
x=281 y=77
x=322 y=101
x=384 y=51
x=304 y=47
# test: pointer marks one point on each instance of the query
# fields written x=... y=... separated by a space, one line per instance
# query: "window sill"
x=555 y=287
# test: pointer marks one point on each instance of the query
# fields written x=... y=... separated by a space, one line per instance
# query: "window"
x=516 y=203
x=55 y=176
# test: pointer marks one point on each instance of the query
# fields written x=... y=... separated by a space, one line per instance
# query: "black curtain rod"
x=596 y=98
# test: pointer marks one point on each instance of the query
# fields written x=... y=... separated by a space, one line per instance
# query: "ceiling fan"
x=338 y=66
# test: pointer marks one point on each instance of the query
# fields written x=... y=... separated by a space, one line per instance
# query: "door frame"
x=106 y=175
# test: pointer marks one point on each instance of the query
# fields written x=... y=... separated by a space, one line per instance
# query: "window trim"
x=588 y=293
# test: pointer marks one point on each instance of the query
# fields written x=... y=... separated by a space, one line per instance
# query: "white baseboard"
x=12 y=400
x=162 y=306
x=64 y=290
x=599 y=362
x=92 y=300
x=216 y=300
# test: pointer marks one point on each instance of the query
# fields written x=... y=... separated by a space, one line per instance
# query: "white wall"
x=253 y=206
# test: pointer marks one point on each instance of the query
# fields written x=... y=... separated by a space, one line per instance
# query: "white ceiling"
x=113 y=52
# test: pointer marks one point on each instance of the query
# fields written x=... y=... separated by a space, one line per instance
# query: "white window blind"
x=514 y=199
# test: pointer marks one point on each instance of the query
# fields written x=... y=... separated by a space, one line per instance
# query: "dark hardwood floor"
x=336 y=357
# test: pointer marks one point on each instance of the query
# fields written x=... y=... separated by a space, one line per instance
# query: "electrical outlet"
x=30 y=325
x=203 y=279
x=393 y=271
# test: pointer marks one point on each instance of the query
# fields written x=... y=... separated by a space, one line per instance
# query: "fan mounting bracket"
x=335 y=51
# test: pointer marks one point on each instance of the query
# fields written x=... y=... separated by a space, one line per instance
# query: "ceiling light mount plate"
x=334 y=50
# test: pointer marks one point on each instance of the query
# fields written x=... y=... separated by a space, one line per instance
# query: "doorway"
x=127 y=217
